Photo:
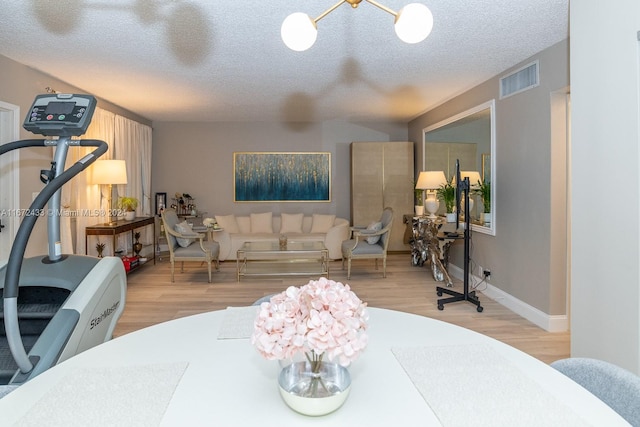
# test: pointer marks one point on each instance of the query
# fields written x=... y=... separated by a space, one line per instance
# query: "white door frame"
x=560 y=194
x=10 y=177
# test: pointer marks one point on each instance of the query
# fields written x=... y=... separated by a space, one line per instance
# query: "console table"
x=121 y=226
x=430 y=244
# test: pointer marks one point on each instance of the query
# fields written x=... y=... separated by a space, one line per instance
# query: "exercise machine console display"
x=60 y=114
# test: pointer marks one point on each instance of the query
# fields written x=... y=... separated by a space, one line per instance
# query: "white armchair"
x=198 y=250
x=369 y=244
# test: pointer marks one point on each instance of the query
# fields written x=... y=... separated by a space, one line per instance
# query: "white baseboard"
x=550 y=323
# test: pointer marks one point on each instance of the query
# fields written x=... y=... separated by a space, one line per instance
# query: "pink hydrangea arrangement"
x=321 y=318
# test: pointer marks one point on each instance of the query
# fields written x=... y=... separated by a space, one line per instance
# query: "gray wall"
x=520 y=254
x=19 y=85
x=605 y=103
x=197 y=158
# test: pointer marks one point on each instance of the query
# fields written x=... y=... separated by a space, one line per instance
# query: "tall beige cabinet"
x=382 y=174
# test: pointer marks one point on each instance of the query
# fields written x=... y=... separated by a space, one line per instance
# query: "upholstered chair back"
x=170 y=220
x=386 y=219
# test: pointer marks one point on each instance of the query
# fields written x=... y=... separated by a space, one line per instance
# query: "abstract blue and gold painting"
x=282 y=177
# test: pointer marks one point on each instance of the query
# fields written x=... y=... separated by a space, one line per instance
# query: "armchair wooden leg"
x=384 y=268
x=172 y=271
x=209 y=268
x=181 y=266
x=349 y=268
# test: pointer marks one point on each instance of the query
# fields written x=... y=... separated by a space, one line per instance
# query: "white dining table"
x=202 y=370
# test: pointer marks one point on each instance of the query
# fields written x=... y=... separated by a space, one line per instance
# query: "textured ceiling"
x=223 y=60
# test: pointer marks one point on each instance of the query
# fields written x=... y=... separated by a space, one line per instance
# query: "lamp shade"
x=414 y=23
x=430 y=180
x=108 y=172
x=298 y=31
x=474 y=177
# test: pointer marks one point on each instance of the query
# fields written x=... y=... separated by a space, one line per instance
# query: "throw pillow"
x=185 y=229
x=291 y=223
x=261 y=222
x=228 y=222
x=322 y=223
x=374 y=226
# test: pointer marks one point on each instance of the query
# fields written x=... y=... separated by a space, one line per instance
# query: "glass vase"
x=314 y=387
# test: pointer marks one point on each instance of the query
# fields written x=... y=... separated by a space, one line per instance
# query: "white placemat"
x=108 y=396
x=237 y=322
x=475 y=386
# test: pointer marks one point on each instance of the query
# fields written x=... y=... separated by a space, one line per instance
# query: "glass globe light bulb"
x=298 y=31
x=414 y=23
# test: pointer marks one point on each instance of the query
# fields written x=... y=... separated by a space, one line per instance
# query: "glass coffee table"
x=296 y=258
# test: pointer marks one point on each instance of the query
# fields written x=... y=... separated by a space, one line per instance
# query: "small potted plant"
x=447 y=193
x=419 y=206
x=483 y=189
x=129 y=206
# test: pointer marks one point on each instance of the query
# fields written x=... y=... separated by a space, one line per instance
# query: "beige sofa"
x=266 y=226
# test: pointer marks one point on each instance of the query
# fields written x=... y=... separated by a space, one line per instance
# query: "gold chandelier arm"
x=385 y=8
x=354 y=3
x=328 y=11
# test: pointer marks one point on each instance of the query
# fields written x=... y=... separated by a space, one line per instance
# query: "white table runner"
x=113 y=396
x=474 y=386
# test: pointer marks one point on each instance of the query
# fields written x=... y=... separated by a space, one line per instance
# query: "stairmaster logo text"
x=108 y=312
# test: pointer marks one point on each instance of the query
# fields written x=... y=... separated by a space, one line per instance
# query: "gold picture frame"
x=486 y=167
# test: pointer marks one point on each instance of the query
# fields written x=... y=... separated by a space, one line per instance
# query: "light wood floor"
x=152 y=298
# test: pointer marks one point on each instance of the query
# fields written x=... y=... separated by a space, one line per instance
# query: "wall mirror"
x=469 y=137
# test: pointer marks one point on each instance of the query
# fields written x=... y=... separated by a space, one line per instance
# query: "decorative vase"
x=464 y=209
x=137 y=247
x=130 y=215
x=419 y=210
x=314 y=393
x=451 y=217
x=282 y=241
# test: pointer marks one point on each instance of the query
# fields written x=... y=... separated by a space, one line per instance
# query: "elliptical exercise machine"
x=56 y=305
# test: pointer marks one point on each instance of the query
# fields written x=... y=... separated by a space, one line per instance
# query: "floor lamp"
x=109 y=172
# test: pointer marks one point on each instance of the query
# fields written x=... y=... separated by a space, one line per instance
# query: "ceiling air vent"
x=520 y=80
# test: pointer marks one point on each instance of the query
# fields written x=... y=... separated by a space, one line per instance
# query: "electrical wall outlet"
x=484 y=272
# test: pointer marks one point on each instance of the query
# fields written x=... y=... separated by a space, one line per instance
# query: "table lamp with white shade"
x=430 y=181
x=474 y=178
x=109 y=172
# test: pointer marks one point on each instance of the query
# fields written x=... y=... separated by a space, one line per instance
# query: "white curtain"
x=129 y=141
x=133 y=144
x=86 y=200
